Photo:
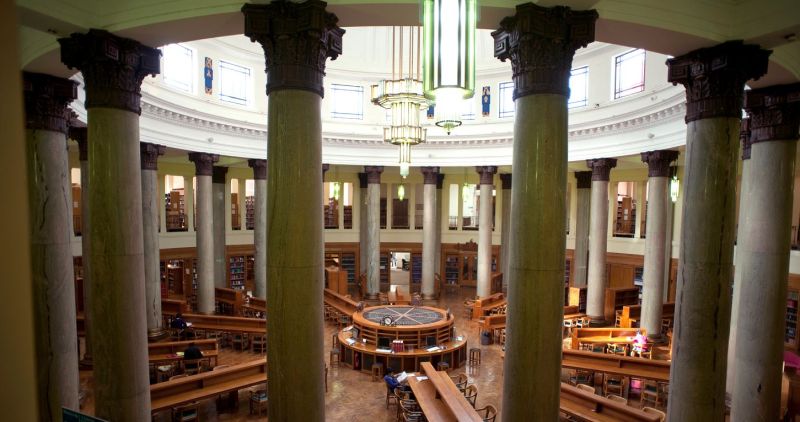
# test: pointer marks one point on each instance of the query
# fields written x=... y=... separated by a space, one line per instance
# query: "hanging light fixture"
x=401 y=192
x=674 y=185
x=336 y=188
x=403 y=96
x=449 y=57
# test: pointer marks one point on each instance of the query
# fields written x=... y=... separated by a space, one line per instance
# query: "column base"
x=372 y=296
x=428 y=297
x=155 y=334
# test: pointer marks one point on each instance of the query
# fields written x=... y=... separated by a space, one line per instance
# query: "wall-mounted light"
x=674 y=186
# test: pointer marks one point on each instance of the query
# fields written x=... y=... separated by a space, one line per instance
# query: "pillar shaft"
x=714 y=79
x=260 y=226
x=297 y=40
x=775 y=118
x=598 y=239
x=485 y=228
x=204 y=226
x=536 y=250
x=218 y=211
x=363 y=212
x=439 y=207
x=655 y=238
x=429 y=245
x=152 y=258
x=373 y=245
x=583 y=205
x=46 y=100
x=505 y=230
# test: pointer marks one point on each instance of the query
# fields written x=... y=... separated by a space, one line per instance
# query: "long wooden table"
x=168 y=351
x=167 y=395
x=595 y=408
x=226 y=323
x=641 y=368
x=633 y=313
x=498 y=322
x=341 y=303
x=603 y=335
x=440 y=399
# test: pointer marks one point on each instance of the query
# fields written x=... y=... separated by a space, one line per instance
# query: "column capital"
x=113 y=67
x=362 y=180
x=714 y=77
x=505 y=179
x=218 y=174
x=744 y=137
x=46 y=101
x=430 y=174
x=487 y=174
x=149 y=154
x=297 y=39
x=774 y=112
x=373 y=174
x=601 y=168
x=259 y=167
x=584 y=179
x=541 y=41
x=658 y=162
x=439 y=180
x=203 y=163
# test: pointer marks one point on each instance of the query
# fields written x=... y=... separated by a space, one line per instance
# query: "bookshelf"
x=250 y=212
x=76 y=209
x=236 y=272
x=616 y=298
x=451 y=270
x=416 y=272
x=577 y=297
x=625 y=225
x=348 y=216
x=348 y=264
x=250 y=265
x=384 y=267
x=176 y=211
x=790 y=339
x=383 y=213
x=566 y=281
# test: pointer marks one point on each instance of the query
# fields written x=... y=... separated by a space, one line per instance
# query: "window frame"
x=229 y=99
x=618 y=61
x=503 y=113
x=176 y=84
x=346 y=115
x=585 y=101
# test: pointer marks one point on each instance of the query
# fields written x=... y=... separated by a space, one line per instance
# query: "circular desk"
x=416 y=326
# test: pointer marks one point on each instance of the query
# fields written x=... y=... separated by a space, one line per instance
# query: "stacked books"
x=397 y=346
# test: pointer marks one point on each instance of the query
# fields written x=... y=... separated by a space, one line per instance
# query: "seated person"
x=639 y=343
x=179 y=324
x=391 y=381
x=192 y=353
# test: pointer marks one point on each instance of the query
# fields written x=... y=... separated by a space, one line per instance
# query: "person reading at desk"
x=392 y=382
x=191 y=356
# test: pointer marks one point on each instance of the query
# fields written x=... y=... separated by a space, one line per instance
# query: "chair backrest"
x=489 y=413
x=471 y=394
x=587 y=388
x=617 y=398
x=655 y=411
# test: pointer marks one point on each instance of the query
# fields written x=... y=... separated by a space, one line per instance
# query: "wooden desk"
x=591 y=407
x=341 y=303
x=602 y=335
x=440 y=399
x=485 y=305
x=632 y=313
x=362 y=355
x=657 y=370
x=167 y=351
x=226 y=323
x=167 y=395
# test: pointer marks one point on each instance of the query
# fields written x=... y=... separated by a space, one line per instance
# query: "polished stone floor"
x=352 y=395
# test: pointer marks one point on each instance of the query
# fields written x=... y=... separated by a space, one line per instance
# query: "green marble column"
x=541 y=62
x=203 y=165
x=218 y=179
x=297 y=40
x=152 y=251
x=46 y=100
x=485 y=228
x=775 y=118
x=113 y=69
x=714 y=79
x=583 y=183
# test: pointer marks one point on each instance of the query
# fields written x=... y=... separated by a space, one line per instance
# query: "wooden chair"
x=258 y=344
x=489 y=413
x=460 y=381
x=580 y=376
x=618 y=399
x=258 y=402
x=336 y=351
x=614 y=384
x=567 y=331
x=469 y=306
x=186 y=413
x=471 y=394
x=617 y=318
x=653 y=411
x=474 y=356
x=653 y=391
x=587 y=388
x=392 y=396
x=191 y=366
x=666 y=324
x=616 y=349
x=410 y=411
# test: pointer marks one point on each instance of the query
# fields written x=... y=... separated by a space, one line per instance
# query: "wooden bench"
x=169 y=394
x=592 y=407
x=633 y=313
x=168 y=351
x=341 y=303
x=440 y=399
x=226 y=323
x=640 y=368
x=602 y=335
x=485 y=305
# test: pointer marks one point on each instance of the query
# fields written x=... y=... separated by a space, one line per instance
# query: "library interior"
x=417 y=210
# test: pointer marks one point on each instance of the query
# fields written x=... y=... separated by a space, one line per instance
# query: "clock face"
x=387 y=320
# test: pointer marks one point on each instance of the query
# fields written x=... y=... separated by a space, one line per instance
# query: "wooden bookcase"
x=236 y=214
x=625 y=224
x=250 y=213
x=792 y=301
x=460 y=263
x=577 y=297
x=76 y=209
x=416 y=272
x=176 y=211
x=616 y=298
